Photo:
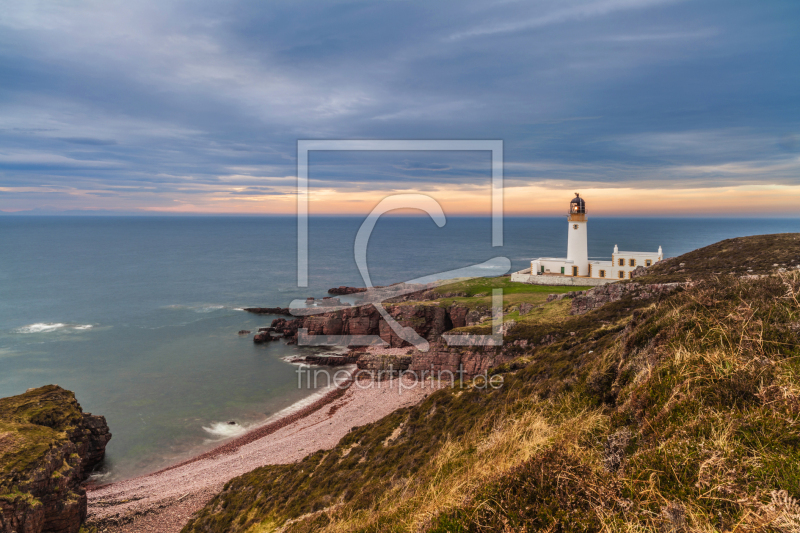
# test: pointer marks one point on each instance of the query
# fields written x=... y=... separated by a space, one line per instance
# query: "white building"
x=554 y=270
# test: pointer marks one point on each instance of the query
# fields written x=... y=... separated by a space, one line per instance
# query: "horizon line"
x=165 y=214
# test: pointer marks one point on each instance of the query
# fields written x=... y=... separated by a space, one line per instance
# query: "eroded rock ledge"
x=48 y=447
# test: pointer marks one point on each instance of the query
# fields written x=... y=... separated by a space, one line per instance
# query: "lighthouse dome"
x=577 y=205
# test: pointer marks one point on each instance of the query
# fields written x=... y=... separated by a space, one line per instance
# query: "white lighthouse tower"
x=577 y=247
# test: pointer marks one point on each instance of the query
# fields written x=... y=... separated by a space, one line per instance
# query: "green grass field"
x=484 y=286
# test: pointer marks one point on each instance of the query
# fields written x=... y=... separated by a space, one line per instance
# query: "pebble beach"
x=164 y=501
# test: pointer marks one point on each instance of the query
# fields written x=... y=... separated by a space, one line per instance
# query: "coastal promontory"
x=48 y=448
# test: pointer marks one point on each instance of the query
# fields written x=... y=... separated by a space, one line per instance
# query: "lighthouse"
x=577 y=247
x=576 y=269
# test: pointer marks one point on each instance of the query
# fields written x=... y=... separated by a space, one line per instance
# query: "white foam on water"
x=299 y=359
x=225 y=430
x=201 y=308
x=208 y=308
x=47 y=327
x=41 y=327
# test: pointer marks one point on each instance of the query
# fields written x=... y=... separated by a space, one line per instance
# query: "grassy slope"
x=479 y=295
x=669 y=415
x=740 y=256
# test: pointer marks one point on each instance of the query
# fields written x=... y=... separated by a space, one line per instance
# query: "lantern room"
x=577 y=206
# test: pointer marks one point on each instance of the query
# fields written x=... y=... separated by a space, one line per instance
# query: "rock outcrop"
x=329 y=301
x=563 y=295
x=586 y=301
x=328 y=360
x=48 y=447
x=443 y=360
x=340 y=291
x=384 y=363
x=428 y=321
x=440 y=362
x=269 y=310
x=265 y=336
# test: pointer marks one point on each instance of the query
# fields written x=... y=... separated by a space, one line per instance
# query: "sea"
x=140 y=315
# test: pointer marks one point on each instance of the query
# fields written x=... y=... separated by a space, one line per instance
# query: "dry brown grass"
x=706 y=384
x=500 y=443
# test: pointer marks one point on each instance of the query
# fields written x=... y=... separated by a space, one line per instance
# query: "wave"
x=225 y=430
x=335 y=351
x=47 y=327
x=204 y=308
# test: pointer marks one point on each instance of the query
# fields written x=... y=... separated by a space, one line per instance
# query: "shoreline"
x=258 y=432
x=164 y=500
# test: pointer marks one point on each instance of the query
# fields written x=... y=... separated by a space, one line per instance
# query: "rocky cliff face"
x=472 y=361
x=48 y=446
x=429 y=321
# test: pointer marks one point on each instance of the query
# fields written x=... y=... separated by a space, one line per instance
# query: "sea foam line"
x=47 y=327
x=203 y=308
x=225 y=429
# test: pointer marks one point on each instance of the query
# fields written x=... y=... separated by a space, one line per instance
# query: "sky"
x=646 y=107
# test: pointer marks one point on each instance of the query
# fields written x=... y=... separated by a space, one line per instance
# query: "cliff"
x=48 y=447
x=429 y=321
x=656 y=410
x=429 y=317
x=432 y=313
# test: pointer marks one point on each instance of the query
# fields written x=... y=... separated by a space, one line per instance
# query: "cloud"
x=88 y=141
x=148 y=105
x=578 y=11
x=418 y=165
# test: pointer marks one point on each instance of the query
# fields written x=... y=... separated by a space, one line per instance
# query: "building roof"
x=635 y=253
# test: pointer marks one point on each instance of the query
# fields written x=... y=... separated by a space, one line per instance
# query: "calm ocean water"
x=139 y=315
